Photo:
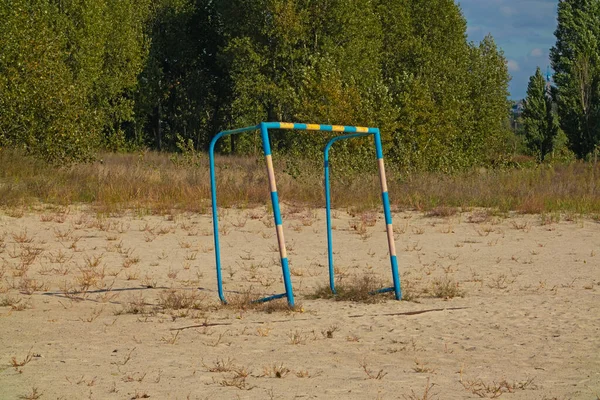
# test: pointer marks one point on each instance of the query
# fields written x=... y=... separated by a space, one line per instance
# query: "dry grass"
x=446 y=288
x=16 y=364
x=411 y=291
x=275 y=371
x=152 y=182
x=181 y=299
x=246 y=301
x=221 y=365
x=370 y=373
x=135 y=305
x=33 y=395
x=359 y=289
x=442 y=211
x=14 y=302
x=495 y=389
x=427 y=393
x=422 y=367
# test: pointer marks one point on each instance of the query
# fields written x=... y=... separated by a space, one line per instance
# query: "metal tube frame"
x=386 y=207
x=264 y=131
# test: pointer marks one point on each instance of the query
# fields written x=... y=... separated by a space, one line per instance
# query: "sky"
x=523 y=29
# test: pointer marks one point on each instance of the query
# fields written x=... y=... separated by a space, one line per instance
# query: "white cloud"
x=536 y=52
x=512 y=66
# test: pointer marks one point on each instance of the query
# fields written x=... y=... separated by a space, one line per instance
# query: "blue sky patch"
x=524 y=29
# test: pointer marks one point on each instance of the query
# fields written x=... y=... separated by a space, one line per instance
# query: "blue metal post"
x=215 y=216
x=213 y=192
x=328 y=217
x=388 y=215
x=328 y=204
x=264 y=131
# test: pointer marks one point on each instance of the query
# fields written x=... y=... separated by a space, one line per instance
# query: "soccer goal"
x=349 y=133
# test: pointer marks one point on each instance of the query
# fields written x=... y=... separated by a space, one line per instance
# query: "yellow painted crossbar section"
x=317 y=127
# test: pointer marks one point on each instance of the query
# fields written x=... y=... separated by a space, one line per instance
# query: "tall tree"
x=182 y=87
x=302 y=60
x=43 y=112
x=540 y=122
x=488 y=103
x=576 y=61
x=450 y=94
x=67 y=73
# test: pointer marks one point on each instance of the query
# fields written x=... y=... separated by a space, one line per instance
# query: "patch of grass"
x=221 y=365
x=446 y=288
x=422 y=367
x=442 y=212
x=236 y=381
x=503 y=281
x=18 y=364
x=328 y=333
x=33 y=395
x=15 y=303
x=495 y=389
x=181 y=299
x=135 y=305
x=297 y=337
x=370 y=373
x=410 y=291
x=275 y=371
x=358 y=289
x=427 y=393
x=153 y=182
x=246 y=301
x=30 y=286
x=93 y=316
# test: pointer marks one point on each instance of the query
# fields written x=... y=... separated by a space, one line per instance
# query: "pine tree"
x=540 y=122
x=576 y=61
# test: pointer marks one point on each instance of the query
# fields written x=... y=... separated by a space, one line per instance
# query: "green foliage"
x=440 y=102
x=302 y=61
x=490 y=138
x=576 y=61
x=182 y=84
x=541 y=124
x=42 y=109
x=188 y=156
x=66 y=73
x=76 y=75
x=450 y=95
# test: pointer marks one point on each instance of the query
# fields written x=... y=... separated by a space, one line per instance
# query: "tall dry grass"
x=154 y=183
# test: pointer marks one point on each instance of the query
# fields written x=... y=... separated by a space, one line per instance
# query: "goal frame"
x=350 y=132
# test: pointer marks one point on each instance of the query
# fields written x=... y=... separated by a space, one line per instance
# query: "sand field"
x=125 y=306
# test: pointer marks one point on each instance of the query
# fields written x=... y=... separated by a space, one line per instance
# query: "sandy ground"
x=88 y=308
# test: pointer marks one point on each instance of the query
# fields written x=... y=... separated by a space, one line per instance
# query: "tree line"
x=568 y=112
x=81 y=75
